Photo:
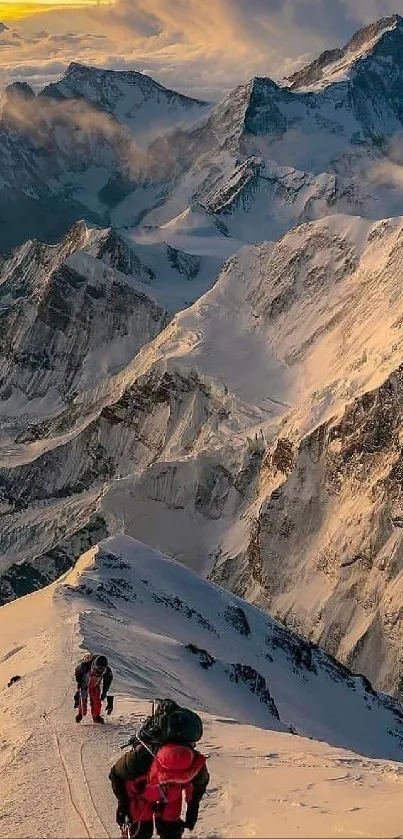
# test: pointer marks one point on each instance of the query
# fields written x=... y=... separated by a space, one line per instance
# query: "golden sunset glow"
x=11 y=10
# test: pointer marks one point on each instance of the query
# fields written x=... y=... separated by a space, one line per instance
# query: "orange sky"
x=11 y=10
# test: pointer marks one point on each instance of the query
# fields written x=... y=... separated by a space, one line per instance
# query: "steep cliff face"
x=325 y=552
x=70 y=323
x=62 y=306
x=82 y=469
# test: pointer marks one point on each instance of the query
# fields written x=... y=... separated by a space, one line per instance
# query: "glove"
x=76 y=698
x=121 y=813
x=103 y=696
x=192 y=814
x=109 y=705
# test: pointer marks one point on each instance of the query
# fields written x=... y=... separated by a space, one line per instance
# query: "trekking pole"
x=81 y=703
x=136 y=736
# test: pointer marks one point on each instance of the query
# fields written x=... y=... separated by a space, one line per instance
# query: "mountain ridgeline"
x=201 y=316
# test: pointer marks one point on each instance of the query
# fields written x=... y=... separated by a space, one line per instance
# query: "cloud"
x=201 y=48
x=225 y=42
x=389 y=171
x=286 y=27
x=386 y=173
x=43 y=57
x=62 y=127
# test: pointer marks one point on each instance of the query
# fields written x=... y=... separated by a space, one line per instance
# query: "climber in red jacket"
x=94 y=678
x=151 y=789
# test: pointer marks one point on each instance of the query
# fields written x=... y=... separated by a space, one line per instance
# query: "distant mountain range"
x=118 y=148
x=255 y=435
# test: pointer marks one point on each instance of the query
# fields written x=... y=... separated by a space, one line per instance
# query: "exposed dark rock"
x=174 y=602
x=255 y=682
x=13 y=680
x=283 y=456
x=184 y=263
x=236 y=617
x=213 y=490
x=298 y=651
x=206 y=659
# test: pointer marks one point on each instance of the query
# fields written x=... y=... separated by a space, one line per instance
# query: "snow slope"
x=178 y=268
x=265 y=419
x=142 y=609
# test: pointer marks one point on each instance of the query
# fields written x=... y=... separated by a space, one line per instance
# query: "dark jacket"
x=136 y=763
x=82 y=673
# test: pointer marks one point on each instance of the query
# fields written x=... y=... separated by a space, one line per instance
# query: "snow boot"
x=99 y=719
x=79 y=717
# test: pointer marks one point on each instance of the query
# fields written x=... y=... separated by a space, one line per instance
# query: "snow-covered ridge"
x=218 y=641
x=335 y=65
x=267 y=158
x=156 y=622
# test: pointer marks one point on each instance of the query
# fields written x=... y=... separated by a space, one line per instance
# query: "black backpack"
x=169 y=723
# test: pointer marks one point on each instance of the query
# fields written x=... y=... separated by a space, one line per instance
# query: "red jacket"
x=161 y=790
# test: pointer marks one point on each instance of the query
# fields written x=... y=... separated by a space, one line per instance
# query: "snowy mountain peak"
x=380 y=37
x=374 y=31
x=78 y=73
x=18 y=91
x=136 y=100
x=82 y=74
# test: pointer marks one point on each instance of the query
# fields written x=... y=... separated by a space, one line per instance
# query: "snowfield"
x=142 y=610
